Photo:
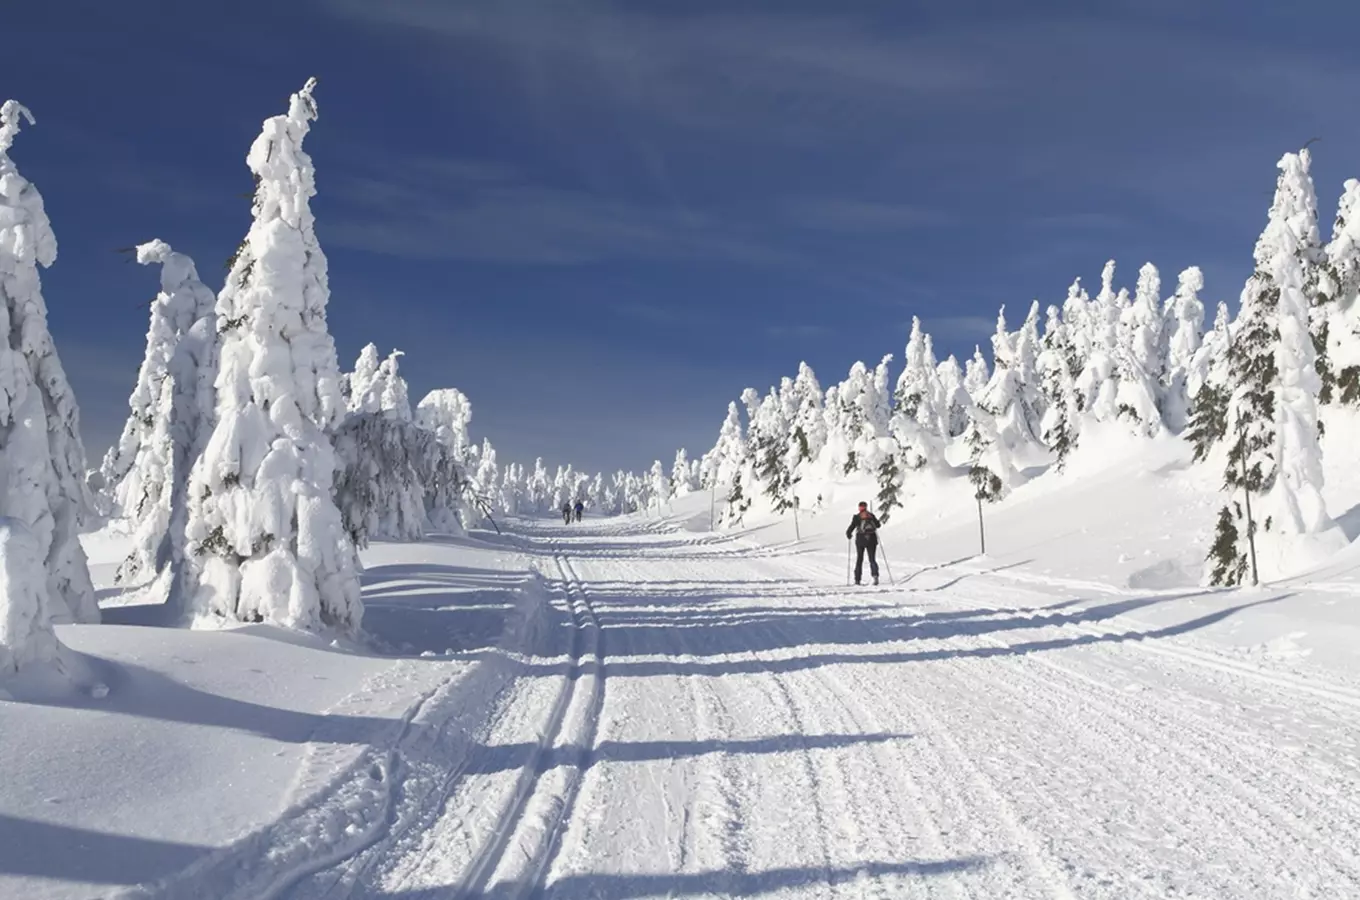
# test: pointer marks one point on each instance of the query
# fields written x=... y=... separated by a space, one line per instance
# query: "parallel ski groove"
x=544 y=799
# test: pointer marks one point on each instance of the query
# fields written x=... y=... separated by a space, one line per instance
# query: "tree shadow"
x=934 y=567
x=1350 y=522
x=145 y=693
x=486 y=759
x=653 y=668
x=65 y=853
x=719 y=883
x=962 y=575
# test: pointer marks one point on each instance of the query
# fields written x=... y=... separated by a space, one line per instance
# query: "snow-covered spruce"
x=357 y=386
x=1010 y=406
x=1185 y=314
x=265 y=538
x=42 y=458
x=1061 y=422
x=1098 y=382
x=171 y=416
x=1140 y=360
x=377 y=386
x=394 y=478
x=682 y=475
x=725 y=462
x=1341 y=287
x=1270 y=426
x=447 y=412
x=26 y=636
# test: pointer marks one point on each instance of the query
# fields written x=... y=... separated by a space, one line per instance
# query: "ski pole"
x=847 y=562
x=886 y=565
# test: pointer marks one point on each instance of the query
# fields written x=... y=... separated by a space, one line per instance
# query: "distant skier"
x=566 y=513
x=864 y=526
x=580 y=508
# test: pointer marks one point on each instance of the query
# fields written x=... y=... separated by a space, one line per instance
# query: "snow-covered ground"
x=639 y=708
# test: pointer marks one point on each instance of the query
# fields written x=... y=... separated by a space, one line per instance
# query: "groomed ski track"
x=704 y=717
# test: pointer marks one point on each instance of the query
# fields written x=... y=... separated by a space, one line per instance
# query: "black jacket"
x=857 y=529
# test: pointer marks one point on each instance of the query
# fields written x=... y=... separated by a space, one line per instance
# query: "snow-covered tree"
x=171 y=418
x=1141 y=365
x=265 y=536
x=1207 y=385
x=682 y=476
x=1076 y=319
x=1098 y=382
x=807 y=435
x=389 y=393
x=447 y=412
x=26 y=635
x=357 y=386
x=538 y=490
x=976 y=374
x=42 y=458
x=954 y=400
x=988 y=456
x=1341 y=287
x=1061 y=421
x=767 y=442
x=914 y=427
x=659 y=485
x=1271 y=419
x=386 y=467
x=488 y=473
x=1009 y=402
x=729 y=454
x=1186 y=320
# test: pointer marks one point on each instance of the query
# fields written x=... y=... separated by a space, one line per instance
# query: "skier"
x=566 y=513
x=864 y=526
x=580 y=508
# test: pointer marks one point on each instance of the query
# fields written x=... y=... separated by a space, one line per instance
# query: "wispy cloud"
x=843 y=214
x=787 y=75
x=454 y=209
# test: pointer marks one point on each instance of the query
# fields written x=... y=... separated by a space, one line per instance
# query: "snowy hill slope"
x=1125 y=519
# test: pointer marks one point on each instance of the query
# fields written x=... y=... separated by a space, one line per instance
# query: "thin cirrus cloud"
x=451 y=209
x=849 y=215
x=455 y=210
x=783 y=75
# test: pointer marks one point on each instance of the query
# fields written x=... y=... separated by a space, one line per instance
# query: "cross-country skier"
x=864 y=526
x=566 y=513
x=580 y=508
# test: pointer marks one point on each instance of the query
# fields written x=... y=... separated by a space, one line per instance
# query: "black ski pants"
x=860 y=547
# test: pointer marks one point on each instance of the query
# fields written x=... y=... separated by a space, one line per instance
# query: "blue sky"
x=602 y=221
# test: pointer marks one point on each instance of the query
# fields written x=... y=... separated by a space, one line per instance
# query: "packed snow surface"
x=639 y=707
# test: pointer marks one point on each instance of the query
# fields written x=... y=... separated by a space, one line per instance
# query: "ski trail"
x=1239 y=783
x=514 y=866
